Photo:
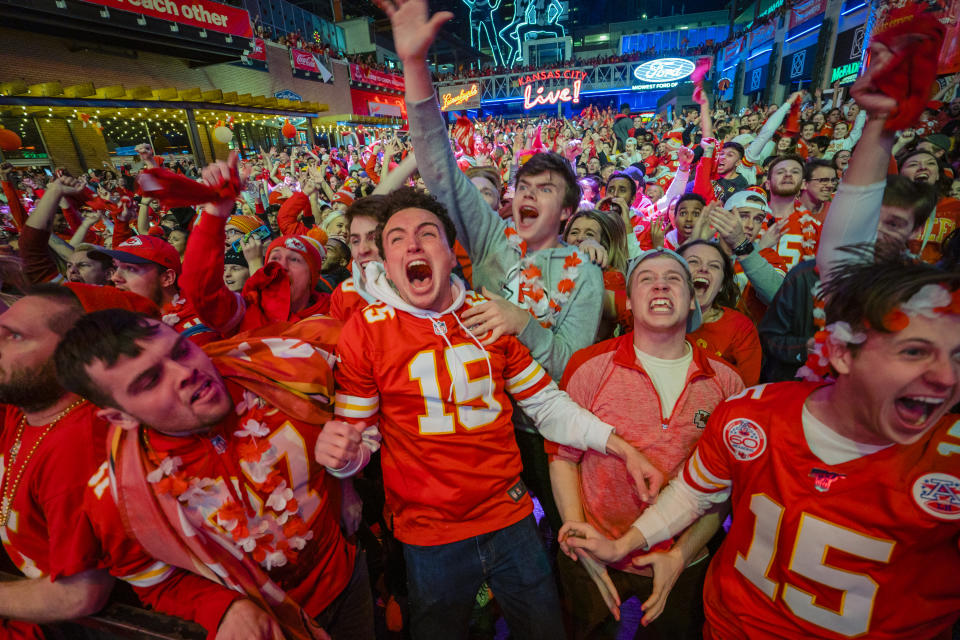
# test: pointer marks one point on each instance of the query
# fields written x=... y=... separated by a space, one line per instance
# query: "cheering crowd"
x=522 y=369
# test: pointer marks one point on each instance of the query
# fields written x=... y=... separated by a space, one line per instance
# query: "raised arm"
x=754 y=152
x=855 y=211
x=413 y=33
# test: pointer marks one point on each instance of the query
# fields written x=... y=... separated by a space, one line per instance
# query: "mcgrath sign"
x=663 y=73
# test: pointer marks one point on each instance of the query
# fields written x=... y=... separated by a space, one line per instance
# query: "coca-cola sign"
x=304 y=61
x=664 y=70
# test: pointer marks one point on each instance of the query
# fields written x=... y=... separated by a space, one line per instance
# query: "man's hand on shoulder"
x=495 y=318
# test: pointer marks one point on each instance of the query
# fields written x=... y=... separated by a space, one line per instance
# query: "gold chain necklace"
x=10 y=490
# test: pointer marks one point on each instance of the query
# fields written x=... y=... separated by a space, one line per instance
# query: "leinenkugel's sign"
x=541 y=95
x=203 y=14
x=663 y=73
x=461 y=96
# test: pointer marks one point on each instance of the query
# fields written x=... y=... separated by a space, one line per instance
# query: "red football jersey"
x=866 y=548
x=286 y=513
x=345 y=300
x=451 y=467
x=793 y=247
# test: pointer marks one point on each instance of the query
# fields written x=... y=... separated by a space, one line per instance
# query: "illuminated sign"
x=531 y=99
x=845 y=74
x=460 y=97
x=664 y=70
x=551 y=95
x=555 y=74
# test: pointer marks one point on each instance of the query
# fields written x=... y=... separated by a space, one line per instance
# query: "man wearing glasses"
x=819 y=184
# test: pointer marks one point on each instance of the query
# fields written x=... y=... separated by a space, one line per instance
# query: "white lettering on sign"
x=664 y=70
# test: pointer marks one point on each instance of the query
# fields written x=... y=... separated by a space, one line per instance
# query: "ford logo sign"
x=664 y=70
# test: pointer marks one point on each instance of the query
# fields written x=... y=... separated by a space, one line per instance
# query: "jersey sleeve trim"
x=151 y=576
x=526 y=379
x=356 y=407
x=697 y=476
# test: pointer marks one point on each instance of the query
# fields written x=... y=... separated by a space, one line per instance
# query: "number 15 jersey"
x=451 y=466
x=866 y=548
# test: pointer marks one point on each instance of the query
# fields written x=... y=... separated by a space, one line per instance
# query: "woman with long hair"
x=725 y=332
x=608 y=230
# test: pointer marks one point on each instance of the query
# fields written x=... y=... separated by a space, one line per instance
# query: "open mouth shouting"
x=922 y=176
x=701 y=284
x=915 y=410
x=528 y=213
x=419 y=274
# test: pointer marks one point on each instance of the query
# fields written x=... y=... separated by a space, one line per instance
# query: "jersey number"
x=808 y=559
x=466 y=392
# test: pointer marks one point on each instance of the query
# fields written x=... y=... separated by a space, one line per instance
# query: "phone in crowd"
x=262 y=232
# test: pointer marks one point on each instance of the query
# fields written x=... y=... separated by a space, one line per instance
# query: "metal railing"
x=599 y=77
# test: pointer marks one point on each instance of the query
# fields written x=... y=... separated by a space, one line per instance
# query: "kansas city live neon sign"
x=541 y=96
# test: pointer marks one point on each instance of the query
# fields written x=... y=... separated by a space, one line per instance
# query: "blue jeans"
x=443 y=581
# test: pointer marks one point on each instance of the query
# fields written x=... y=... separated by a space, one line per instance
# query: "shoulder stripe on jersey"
x=152 y=575
x=356 y=406
x=703 y=478
x=526 y=378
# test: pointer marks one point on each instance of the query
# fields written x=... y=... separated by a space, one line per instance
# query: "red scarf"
x=295 y=377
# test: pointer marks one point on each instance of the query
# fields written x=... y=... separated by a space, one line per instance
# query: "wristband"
x=744 y=248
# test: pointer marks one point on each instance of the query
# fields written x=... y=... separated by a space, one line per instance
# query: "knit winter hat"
x=311 y=250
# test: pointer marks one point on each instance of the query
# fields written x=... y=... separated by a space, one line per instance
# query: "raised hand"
x=876 y=103
x=413 y=30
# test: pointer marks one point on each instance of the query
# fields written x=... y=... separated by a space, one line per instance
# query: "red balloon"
x=288 y=130
x=9 y=141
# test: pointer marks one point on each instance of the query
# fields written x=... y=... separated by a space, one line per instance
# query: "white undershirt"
x=830 y=446
x=668 y=376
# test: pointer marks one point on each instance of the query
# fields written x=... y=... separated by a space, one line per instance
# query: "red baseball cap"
x=143 y=249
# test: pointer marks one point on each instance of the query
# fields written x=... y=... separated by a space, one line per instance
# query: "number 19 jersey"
x=866 y=548
x=451 y=467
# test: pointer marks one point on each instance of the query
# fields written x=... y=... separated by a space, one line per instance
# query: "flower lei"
x=274 y=538
x=532 y=295
x=930 y=301
x=808 y=227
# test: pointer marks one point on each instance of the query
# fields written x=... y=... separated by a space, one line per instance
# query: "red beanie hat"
x=311 y=250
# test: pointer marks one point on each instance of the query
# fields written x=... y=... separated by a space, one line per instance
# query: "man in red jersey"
x=846 y=496
x=58 y=521
x=363 y=216
x=451 y=465
x=213 y=459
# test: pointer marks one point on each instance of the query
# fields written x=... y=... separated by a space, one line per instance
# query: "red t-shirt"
x=46 y=533
x=734 y=338
x=450 y=459
x=286 y=513
x=865 y=548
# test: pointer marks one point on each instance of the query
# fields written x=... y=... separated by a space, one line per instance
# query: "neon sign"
x=554 y=74
x=531 y=100
x=466 y=96
x=664 y=70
